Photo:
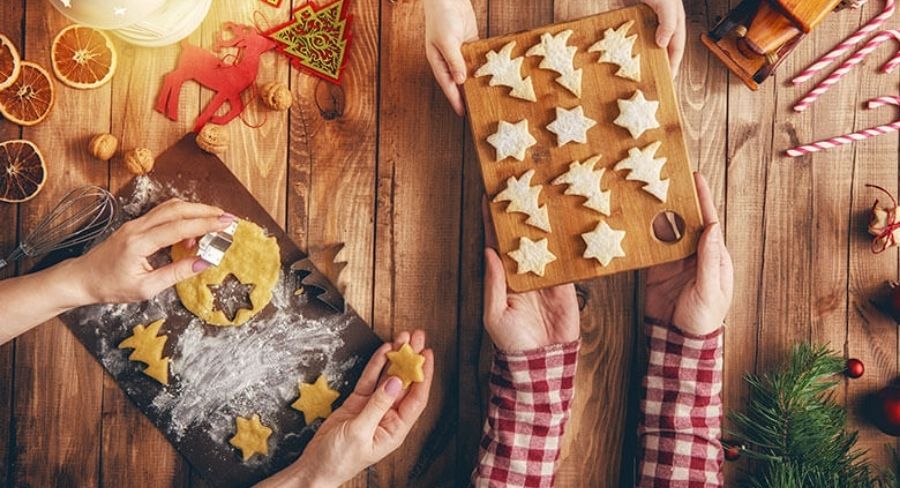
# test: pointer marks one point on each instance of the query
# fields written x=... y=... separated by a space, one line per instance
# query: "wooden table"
x=383 y=165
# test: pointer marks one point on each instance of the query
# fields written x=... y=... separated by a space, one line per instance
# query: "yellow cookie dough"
x=253 y=258
x=315 y=399
x=252 y=437
x=406 y=365
x=148 y=349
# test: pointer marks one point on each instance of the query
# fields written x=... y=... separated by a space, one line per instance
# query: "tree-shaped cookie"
x=148 y=349
x=505 y=70
x=252 y=437
x=315 y=399
x=511 y=140
x=616 y=47
x=584 y=181
x=604 y=243
x=532 y=256
x=523 y=198
x=644 y=167
x=570 y=126
x=559 y=57
x=406 y=365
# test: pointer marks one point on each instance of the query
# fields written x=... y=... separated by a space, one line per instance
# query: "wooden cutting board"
x=633 y=209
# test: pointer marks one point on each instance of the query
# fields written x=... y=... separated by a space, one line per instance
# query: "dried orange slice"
x=22 y=171
x=10 y=62
x=83 y=57
x=29 y=99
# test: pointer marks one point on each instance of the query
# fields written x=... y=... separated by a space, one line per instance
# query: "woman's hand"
x=448 y=24
x=694 y=294
x=372 y=423
x=672 y=29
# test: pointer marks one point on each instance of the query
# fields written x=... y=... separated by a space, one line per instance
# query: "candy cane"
x=852 y=61
x=846 y=44
x=855 y=136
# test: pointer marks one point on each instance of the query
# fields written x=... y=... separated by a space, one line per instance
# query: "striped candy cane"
x=839 y=50
x=855 y=136
x=852 y=61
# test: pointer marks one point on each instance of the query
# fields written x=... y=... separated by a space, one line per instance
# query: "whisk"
x=82 y=215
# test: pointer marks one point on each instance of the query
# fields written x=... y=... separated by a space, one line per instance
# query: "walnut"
x=276 y=96
x=212 y=139
x=103 y=146
x=139 y=160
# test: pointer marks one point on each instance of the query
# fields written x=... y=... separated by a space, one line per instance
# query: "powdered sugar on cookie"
x=505 y=70
x=523 y=198
x=644 y=167
x=511 y=140
x=616 y=47
x=559 y=57
x=604 y=243
x=584 y=181
x=637 y=114
x=532 y=256
x=570 y=126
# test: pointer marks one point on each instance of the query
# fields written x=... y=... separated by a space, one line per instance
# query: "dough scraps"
x=637 y=114
x=505 y=70
x=252 y=437
x=570 y=126
x=644 y=167
x=406 y=365
x=616 y=47
x=511 y=140
x=559 y=57
x=523 y=198
x=585 y=181
x=253 y=258
x=148 y=349
x=315 y=399
x=604 y=243
x=532 y=256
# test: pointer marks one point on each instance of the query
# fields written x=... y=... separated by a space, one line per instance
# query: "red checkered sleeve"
x=681 y=410
x=530 y=397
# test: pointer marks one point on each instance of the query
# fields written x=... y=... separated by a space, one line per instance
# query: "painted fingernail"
x=199 y=265
x=393 y=386
x=227 y=218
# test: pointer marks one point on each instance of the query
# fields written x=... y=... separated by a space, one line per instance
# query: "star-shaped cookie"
x=559 y=57
x=616 y=47
x=511 y=140
x=584 y=181
x=604 y=243
x=505 y=70
x=406 y=365
x=637 y=114
x=570 y=126
x=252 y=437
x=148 y=349
x=315 y=399
x=532 y=256
x=644 y=167
x=523 y=198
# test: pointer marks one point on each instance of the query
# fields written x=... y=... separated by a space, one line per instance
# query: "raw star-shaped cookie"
x=644 y=167
x=252 y=437
x=584 y=181
x=406 y=365
x=532 y=256
x=616 y=47
x=523 y=198
x=604 y=243
x=511 y=140
x=505 y=70
x=148 y=349
x=637 y=114
x=570 y=126
x=315 y=399
x=559 y=57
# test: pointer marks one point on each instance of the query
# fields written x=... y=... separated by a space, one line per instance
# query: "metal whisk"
x=82 y=215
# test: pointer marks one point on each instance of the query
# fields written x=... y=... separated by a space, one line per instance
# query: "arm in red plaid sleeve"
x=530 y=397
x=681 y=411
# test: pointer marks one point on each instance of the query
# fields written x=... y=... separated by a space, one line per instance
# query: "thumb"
x=173 y=273
x=709 y=261
x=452 y=54
x=379 y=404
x=494 y=286
x=668 y=21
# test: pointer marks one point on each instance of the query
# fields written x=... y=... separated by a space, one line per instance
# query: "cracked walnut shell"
x=276 y=96
x=103 y=146
x=212 y=139
x=139 y=161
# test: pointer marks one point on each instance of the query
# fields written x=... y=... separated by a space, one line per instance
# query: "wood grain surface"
x=383 y=164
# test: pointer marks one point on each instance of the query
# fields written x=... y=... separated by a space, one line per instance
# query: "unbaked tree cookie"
x=505 y=70
x=148 y=349
x=585 y=181
x=511 y=140
x=570 y=126
x=644 y=167
x=252 y=437
x=559 y=57
x=406 y=365
x=532 y=256
x=616 y=47
x=523 y=198
x=604 y=243
x=637 y=114
x=315 y=399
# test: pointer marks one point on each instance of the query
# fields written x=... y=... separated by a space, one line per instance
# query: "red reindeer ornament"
x=207 y=69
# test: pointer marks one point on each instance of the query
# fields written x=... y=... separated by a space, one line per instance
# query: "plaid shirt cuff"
x=681 y=410
x=531 y=394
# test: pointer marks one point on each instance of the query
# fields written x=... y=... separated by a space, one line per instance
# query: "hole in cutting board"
x=668 y=227
x=230 y=296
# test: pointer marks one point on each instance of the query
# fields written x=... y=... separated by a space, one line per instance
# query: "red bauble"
x=886 y=410
x=855 y=368
x=732 y=453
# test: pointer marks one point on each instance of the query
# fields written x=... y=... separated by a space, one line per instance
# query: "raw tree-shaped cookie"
x=148 y=349
x=252 y=437
x=523 y=198
x=570 y=126
x=584 y=181
x=505 y=70
x=406 y=365
x=644 y=167
x=604 y=243
x=315 y=399
x=616 y=47
x=637 y=114
x=511 y=140
x=559 y=57
x=532 y=256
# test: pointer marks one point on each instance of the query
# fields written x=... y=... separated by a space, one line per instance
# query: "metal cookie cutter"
x=213 y=245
